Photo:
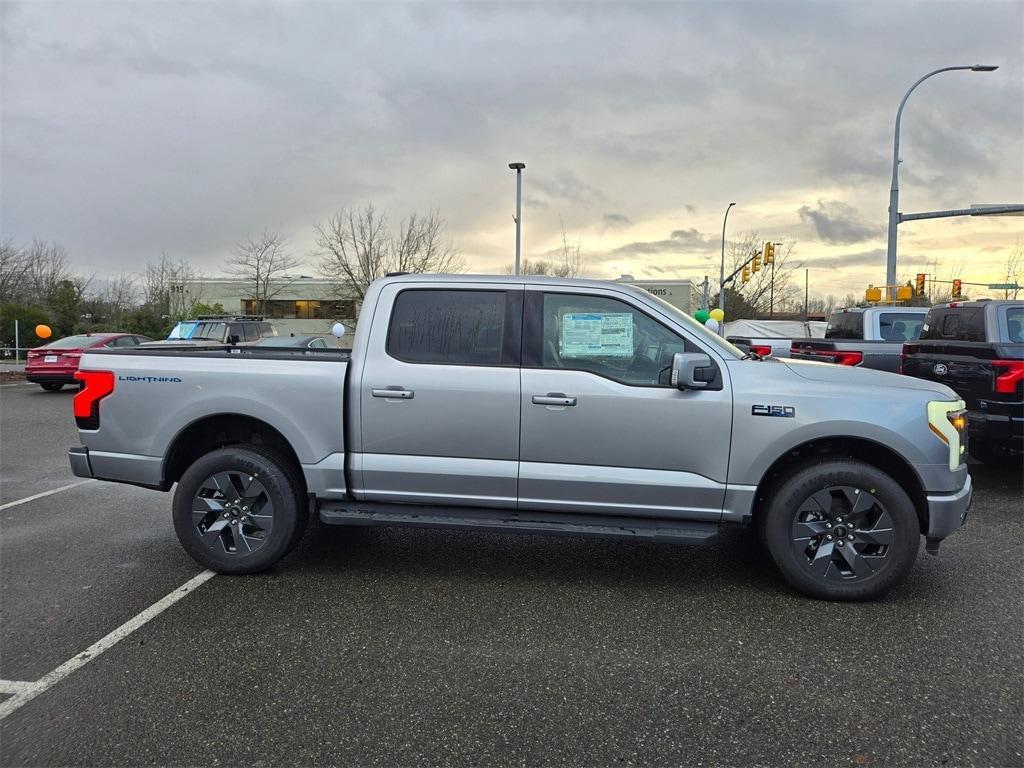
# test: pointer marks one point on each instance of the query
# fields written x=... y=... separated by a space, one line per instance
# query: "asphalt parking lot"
x=401 y=647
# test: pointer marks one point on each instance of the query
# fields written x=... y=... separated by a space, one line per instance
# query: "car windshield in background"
x=900 y=326
x=1015 y=324
x=215 y=331
x=75 y=342
x=845 y=325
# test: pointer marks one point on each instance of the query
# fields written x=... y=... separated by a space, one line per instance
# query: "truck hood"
x=865 y=377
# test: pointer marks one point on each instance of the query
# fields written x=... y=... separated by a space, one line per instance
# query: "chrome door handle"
x=554 y=398
x=393 y=392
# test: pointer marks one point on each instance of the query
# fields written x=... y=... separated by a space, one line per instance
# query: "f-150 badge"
x=783 y=411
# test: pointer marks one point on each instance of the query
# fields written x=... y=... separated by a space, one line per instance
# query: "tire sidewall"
x=791 y=493
x=279 y=487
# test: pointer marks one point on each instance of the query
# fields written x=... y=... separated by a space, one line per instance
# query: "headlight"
x=948 y=420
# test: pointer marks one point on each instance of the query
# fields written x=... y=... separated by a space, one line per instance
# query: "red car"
x=53 y=365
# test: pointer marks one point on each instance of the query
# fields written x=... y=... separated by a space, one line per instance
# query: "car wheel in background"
x=52 y=386
x=841 y=530
x=239 y=509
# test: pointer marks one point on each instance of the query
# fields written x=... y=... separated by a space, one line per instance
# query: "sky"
x=135 y=128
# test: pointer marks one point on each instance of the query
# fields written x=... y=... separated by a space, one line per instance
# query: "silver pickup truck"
x=865 y=337
x=537 y=405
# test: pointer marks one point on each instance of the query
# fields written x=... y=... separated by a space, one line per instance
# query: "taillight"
x=1007 y=382
x=761 y=350
x=33 y=355
x=849 y=358
x=95 y=386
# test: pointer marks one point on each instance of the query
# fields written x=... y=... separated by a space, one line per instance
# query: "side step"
x=513 y=521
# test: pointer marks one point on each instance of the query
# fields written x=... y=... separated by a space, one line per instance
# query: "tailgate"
x=966 y=367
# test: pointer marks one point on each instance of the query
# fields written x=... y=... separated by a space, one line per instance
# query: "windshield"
x=75 y=342
x=697 y=328
x=182 y=330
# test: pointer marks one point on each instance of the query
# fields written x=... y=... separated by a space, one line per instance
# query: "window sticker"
x=593 y=334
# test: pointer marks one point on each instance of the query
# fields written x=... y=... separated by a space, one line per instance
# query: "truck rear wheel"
x=841 y=530
x=239 y=509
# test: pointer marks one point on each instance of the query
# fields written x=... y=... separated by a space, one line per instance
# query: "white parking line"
x=50 y=492
x=13 y=686
x=31 y=690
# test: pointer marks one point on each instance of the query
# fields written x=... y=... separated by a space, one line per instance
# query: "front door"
x=439 y=397
x=602 y=429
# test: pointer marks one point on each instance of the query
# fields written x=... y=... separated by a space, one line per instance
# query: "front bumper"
x=997 y=428
x=946 y=513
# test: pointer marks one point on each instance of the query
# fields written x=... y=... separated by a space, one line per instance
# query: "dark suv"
x=216 y=330
x=977 y=348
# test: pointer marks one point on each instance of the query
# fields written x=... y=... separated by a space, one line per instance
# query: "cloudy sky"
x=135 y=128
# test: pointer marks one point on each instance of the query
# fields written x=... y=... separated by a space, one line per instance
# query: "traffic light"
x=904 y=292
x=957 y=286
x=873 y=294
x=755 y=265
x=769 y=253
x=746 y=274
x=919 y=284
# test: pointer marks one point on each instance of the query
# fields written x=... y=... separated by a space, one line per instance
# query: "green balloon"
x=702 y=315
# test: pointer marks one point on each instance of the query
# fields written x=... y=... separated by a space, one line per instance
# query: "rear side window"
x=455 y=327
x=267 y=330
x=251 y=331
x=900 y=326
x=845 y=325
x=1015 y=324
x=122 y=341
x=954 y=324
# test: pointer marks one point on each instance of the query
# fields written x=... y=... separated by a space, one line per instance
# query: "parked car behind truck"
x=977 y=349
x=536 y=405
x=52 y=366
x=863 y=337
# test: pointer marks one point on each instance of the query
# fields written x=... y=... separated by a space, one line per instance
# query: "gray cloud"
x=840 y=223
x=616 y=221
x=874 y=257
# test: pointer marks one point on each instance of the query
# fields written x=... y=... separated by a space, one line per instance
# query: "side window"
x=1015 y=324
x=251 y=331
x=455 y=327
x=609 y=338
x=121 y=341
x=235 y=329
x=266 y=330
x=845 y=325
x=899 y=326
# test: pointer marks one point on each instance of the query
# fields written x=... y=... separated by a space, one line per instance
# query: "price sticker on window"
x=592 y=334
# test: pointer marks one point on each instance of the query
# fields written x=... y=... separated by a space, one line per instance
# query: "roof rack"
x=231 y=317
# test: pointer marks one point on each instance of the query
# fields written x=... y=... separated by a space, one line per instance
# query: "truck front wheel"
x=239 y=509
x=841 y=530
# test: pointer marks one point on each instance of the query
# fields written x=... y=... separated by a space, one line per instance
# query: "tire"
x=219 y=529
x=52 y=386
x=817 y=507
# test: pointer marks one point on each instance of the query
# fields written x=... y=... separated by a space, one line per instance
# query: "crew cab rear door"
x=439 y=396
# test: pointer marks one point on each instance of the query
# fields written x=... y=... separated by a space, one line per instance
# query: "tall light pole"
x=894 y=191
x=518 y=168
x=721 y=270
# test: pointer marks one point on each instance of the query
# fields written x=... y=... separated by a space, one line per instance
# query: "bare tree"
x=170 y=286
x=1013 y=270
x=767 y=284
x=46 y=267
x=566 y=261
x=356 y=247
x=13 y=273
x=263 y=262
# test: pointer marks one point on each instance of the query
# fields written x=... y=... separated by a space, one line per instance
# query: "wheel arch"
x=868 y=451
x=222 y=430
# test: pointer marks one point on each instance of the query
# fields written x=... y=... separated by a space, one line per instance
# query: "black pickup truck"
x=977 y=349
x=864 y=337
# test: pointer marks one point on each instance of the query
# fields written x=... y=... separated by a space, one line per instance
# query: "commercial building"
x=678 y=293
x=297 y=305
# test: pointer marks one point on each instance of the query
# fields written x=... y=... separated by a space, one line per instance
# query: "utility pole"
x=518 y=168
x=807 y=283
x=721 y=271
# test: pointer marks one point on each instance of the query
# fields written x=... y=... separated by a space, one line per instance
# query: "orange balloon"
x=43 y=331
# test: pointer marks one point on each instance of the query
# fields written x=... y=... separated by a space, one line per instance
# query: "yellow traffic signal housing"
x=769 y=253
x=755 y=265
x=919 y=284
x=957 y=288
x=904 y=293
x=746 y=274
x=873 y=294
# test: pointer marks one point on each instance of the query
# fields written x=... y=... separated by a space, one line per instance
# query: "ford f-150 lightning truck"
x=535 y=405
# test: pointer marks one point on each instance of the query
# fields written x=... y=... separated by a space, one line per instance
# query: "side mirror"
x=691 y=370
x=338 y=329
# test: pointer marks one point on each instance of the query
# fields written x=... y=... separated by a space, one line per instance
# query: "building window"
x=302 y=309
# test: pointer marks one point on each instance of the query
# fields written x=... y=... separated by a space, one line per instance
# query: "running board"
x=512 y=521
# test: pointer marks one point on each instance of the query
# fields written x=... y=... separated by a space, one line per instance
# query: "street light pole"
x=518 y=168
x=894 y=190
x=721 y=271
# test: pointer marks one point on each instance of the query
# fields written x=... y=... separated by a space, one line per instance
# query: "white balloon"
x=712 y=325
x=338 y=329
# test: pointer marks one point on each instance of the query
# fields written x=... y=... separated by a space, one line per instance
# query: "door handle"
x=393 y=392
x=554 y=398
